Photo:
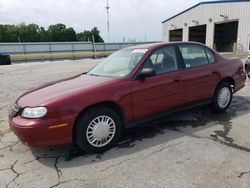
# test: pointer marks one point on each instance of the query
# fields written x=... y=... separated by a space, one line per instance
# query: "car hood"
x=49 y=91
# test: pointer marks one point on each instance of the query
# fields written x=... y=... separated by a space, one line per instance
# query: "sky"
x=129 y=19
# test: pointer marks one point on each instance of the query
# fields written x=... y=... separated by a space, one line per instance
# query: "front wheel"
x=98 y=129
x=222 y=97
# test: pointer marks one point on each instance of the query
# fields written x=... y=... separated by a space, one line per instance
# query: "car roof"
x=160 y=44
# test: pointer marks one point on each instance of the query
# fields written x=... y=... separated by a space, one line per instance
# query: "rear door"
x=165 y=90
x=200 y=73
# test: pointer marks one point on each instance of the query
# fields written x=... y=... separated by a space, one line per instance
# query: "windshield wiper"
x=94 y=75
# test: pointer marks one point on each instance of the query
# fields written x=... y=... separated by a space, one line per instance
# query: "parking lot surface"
x=194 y=148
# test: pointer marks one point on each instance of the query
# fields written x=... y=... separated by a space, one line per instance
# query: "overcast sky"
x=138 y=19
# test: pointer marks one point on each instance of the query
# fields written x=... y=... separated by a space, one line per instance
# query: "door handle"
x=214 y=72
x=178 y=79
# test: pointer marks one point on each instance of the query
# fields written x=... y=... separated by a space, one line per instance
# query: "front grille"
x=14 y=110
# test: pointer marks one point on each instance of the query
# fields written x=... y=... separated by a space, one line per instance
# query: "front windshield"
x=119 y=64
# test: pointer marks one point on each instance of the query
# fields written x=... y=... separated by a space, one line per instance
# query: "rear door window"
x=194 y=55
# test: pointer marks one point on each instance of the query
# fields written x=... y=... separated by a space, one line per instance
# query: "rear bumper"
x=240 y=82
x=37 y=133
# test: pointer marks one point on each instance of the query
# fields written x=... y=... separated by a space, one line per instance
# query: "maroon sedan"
x=131 y=85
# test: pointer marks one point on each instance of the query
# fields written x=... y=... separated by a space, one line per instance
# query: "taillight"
x=241 y=69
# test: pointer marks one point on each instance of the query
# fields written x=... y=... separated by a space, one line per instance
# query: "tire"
x=98 y=129
x=222 y=97
x=5 y=60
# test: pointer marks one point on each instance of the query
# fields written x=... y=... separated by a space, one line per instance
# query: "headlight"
x=36 y=112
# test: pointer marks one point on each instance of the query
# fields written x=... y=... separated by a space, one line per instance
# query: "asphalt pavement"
x=194 y=148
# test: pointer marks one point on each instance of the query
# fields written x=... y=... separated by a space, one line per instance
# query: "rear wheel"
x=98 y=129
x=222 y=97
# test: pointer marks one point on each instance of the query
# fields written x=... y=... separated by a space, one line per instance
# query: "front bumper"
x=36 y=132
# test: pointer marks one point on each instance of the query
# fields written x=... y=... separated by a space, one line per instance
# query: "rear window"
x=210 y=55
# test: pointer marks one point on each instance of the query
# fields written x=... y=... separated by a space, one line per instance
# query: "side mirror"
x=147 y=72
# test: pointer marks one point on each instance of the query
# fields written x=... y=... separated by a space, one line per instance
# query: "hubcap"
x=224 y=97
x=100 y=131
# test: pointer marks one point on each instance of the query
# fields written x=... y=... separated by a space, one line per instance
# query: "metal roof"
x=206 y=2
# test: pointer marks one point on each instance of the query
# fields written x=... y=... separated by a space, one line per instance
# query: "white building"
x=223 y=25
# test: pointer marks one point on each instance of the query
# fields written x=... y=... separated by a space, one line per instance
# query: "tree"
x=87 y=35
x=13 y=33
x=28 y=33
x=96 y=34
x=55 y=33
x=59 y=33
x=84 y=36
x=69 y=35
x=43 y=35
x=4 y=34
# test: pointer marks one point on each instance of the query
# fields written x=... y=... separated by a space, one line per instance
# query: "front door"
x=164 y=91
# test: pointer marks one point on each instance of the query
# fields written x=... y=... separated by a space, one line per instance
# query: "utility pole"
x=108 y=29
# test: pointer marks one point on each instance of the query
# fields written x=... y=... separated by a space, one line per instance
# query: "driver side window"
x=163 y=60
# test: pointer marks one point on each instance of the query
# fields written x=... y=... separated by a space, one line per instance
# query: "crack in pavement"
x=162 y=149
x=10 y=146
x=29 y=161
x=67 y=181
x=12 y=168
x=68 y=156
x=58 y=171
x=126 y=160
x=5 y=169
x=116 y=164
x=2 y=133
x=243 y=173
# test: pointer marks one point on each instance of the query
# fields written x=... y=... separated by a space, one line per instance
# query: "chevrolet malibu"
x=130 y=86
